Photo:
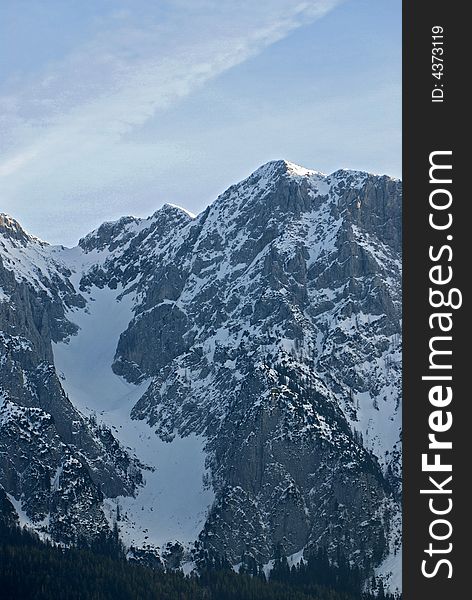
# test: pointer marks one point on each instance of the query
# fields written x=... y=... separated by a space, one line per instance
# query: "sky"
x=113 y=107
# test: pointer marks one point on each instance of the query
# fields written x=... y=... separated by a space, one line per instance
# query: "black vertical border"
x=427 y=127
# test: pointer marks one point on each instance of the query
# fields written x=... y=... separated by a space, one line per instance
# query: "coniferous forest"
x=34 y=570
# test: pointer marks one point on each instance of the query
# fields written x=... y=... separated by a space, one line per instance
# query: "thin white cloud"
x=80 y=110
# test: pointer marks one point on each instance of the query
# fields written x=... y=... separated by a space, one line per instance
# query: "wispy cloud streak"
x=137 y=64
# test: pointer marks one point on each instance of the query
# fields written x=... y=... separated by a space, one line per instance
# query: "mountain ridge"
x=286 y=166
x=260 y=339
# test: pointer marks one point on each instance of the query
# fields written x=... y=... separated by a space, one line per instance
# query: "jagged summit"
x=11 y=229
x=284 y=167
x=9 y=223
x=108 y=231
x=112 y=234
x=280 y=167
x=169 y=207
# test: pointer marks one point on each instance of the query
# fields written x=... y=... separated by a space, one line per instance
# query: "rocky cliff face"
x=258 y=343
x=56 y=463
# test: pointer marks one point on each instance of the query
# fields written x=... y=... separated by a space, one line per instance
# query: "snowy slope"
x=173 y=501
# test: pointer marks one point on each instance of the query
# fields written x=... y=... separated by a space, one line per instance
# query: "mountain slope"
x=246 y=360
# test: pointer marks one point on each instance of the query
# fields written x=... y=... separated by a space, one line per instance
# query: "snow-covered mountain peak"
x=349 y=175
x=12 y=230
x=117 y=234
x=108 y=233
x=270 y=192
x=31 y=261
x=175 y=209
x=299 y=171
x=261 y=338
x=264 y=196
x=281 y=167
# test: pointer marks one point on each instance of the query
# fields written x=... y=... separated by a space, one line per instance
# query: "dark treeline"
x=34 y=570
x=317 y=570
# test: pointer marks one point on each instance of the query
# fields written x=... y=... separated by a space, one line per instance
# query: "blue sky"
x=113 y=107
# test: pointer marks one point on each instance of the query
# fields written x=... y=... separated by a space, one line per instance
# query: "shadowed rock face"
x=56 y=463
x=270 y=324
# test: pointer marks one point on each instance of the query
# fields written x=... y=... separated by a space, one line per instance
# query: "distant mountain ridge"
x=223 y=384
